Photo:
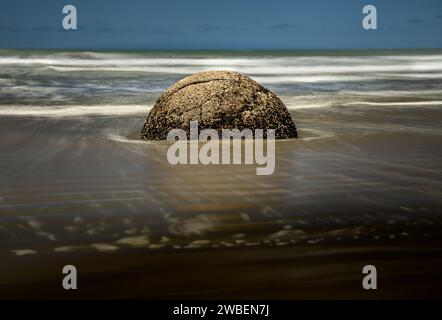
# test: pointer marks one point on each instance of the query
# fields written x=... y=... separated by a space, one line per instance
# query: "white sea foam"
x=123 y=139
x=410 y=70
x=399 y=103
x=74 y=111
x=391 y=93
x=122 y=110
x=311 y=78
x=112 y=59
x=308 y=106
x=301 y=81
x=367 y=103
x=286 y=66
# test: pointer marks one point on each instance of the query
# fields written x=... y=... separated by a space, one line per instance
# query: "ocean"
x=65 y=84
x=362 y=184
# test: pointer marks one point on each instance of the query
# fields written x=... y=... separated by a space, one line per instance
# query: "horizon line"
x=216 y=49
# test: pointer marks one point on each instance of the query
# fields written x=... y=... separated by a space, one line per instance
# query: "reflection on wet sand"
x=362 y=186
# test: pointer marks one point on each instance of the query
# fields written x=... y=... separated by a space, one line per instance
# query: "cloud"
x=210 y=29
x=161 y=31
x=44 y=29
x=281 y=26
x=415 y=21
x=164 y=31
x=234 y=28
x=116 y=30
x=34 y=29
x=216 y=28
x=129 y=30
x=106 y=30
x=285 y=26
x=103 y=23
x=9 y=28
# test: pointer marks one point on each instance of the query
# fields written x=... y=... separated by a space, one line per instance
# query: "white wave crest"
x=74 y=111
x=326 y=66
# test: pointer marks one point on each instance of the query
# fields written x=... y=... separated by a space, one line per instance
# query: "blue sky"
x=226 y=24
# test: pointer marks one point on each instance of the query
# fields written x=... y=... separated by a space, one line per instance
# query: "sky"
x=221 y=25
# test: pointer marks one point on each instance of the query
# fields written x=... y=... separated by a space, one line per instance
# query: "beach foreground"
x=135 y=226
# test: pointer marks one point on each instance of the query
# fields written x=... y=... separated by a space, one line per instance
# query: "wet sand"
x=407 y=270
x=362 y=186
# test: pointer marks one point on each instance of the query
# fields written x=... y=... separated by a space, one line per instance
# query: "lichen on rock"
x=218 y=100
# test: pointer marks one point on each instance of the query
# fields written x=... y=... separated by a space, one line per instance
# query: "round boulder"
x=218 y=100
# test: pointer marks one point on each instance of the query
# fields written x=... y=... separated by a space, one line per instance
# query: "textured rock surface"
x=218 y=100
